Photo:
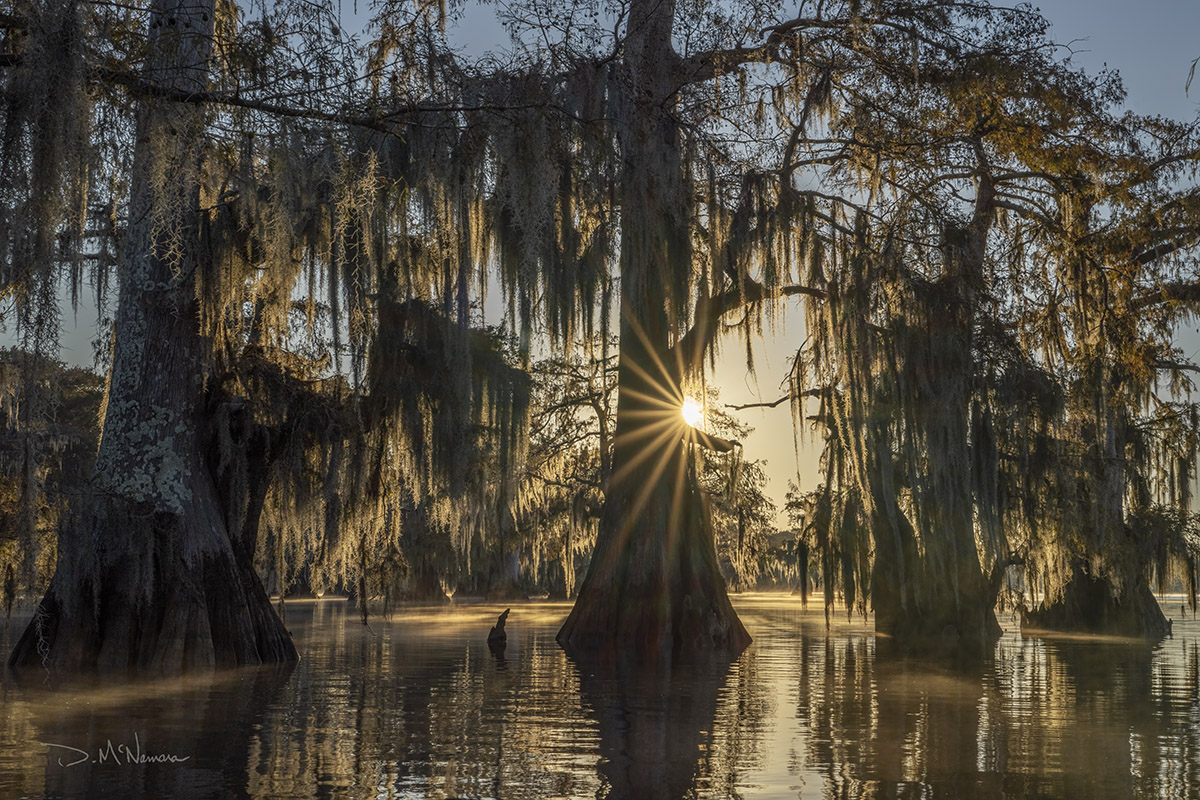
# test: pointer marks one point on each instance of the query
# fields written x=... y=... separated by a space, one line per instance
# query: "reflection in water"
x=655 y=727
x=420 y=707
x=91 y=740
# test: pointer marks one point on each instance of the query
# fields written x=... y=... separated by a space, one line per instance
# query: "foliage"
x=571 y=431
x=743 y=518
x=42 y=466
x=969 y=297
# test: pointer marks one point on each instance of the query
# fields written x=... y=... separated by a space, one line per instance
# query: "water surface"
x=417 y=706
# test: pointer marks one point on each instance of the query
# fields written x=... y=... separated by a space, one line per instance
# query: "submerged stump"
x=497 y=638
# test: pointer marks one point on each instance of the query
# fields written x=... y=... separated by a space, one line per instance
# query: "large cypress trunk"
x=936 y=601
x=1091 y=602
x=653 y=588
x=1108 y=591
x=148 y=575
x=935 y=595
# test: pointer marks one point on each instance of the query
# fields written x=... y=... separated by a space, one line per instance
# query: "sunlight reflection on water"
x=417 y=706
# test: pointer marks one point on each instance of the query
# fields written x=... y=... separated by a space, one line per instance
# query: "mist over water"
x=417 y=706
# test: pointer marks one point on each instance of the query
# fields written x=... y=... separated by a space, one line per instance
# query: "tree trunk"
x=148 y=575
x=936 y=596
x=504 y=581
x=653 y=587
x=1093 y=605
x=424 y=585
x=922 y=608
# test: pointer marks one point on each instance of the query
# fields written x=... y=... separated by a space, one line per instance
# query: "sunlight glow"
x=693 y=414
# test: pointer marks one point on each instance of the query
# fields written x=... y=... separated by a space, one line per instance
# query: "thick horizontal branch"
x=1151 y=254
x=141 y=88
x=1175 y=292
x=390 y=121
x=1025 y=211
x=711 y=64
x=1162 y=363
x=691 y=346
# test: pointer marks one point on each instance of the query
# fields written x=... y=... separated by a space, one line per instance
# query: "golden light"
x=693 y=413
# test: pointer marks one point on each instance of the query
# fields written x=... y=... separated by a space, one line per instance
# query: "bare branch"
x=779 y=402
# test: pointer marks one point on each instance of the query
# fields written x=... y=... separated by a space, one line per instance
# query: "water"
x=419 y=707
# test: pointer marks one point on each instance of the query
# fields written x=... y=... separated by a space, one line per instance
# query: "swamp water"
x=418 y=707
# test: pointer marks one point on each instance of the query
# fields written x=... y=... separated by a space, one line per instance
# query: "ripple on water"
x=417 y=706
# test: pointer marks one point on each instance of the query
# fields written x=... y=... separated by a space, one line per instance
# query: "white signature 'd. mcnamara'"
x=115 y=754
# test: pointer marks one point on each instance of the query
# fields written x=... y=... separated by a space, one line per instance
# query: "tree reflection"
x=95 y=735
x=1057 y=718
x=656 y=724
x=420 y=707
x=1112 y=692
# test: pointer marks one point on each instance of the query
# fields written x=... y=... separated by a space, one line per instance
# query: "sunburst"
x=693 y=412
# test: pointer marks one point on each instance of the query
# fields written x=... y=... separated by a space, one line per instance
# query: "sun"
x=693 y=414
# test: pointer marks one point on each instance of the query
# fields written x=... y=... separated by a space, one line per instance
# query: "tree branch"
x=1151 y=254
x=779 y=402
x=690 y=347
x=714 y=443
x=1162 y=363
x=1174 y=292
x=391 y=121
x=711 y=64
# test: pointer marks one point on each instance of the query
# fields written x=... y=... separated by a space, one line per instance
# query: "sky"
x=1152 y=43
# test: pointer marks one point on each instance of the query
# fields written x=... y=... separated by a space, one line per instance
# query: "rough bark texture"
x=653 y=586
x=148 y=574
x=1091 y=605
x=918 y=609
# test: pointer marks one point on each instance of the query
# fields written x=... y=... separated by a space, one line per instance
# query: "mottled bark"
x=148 y=574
